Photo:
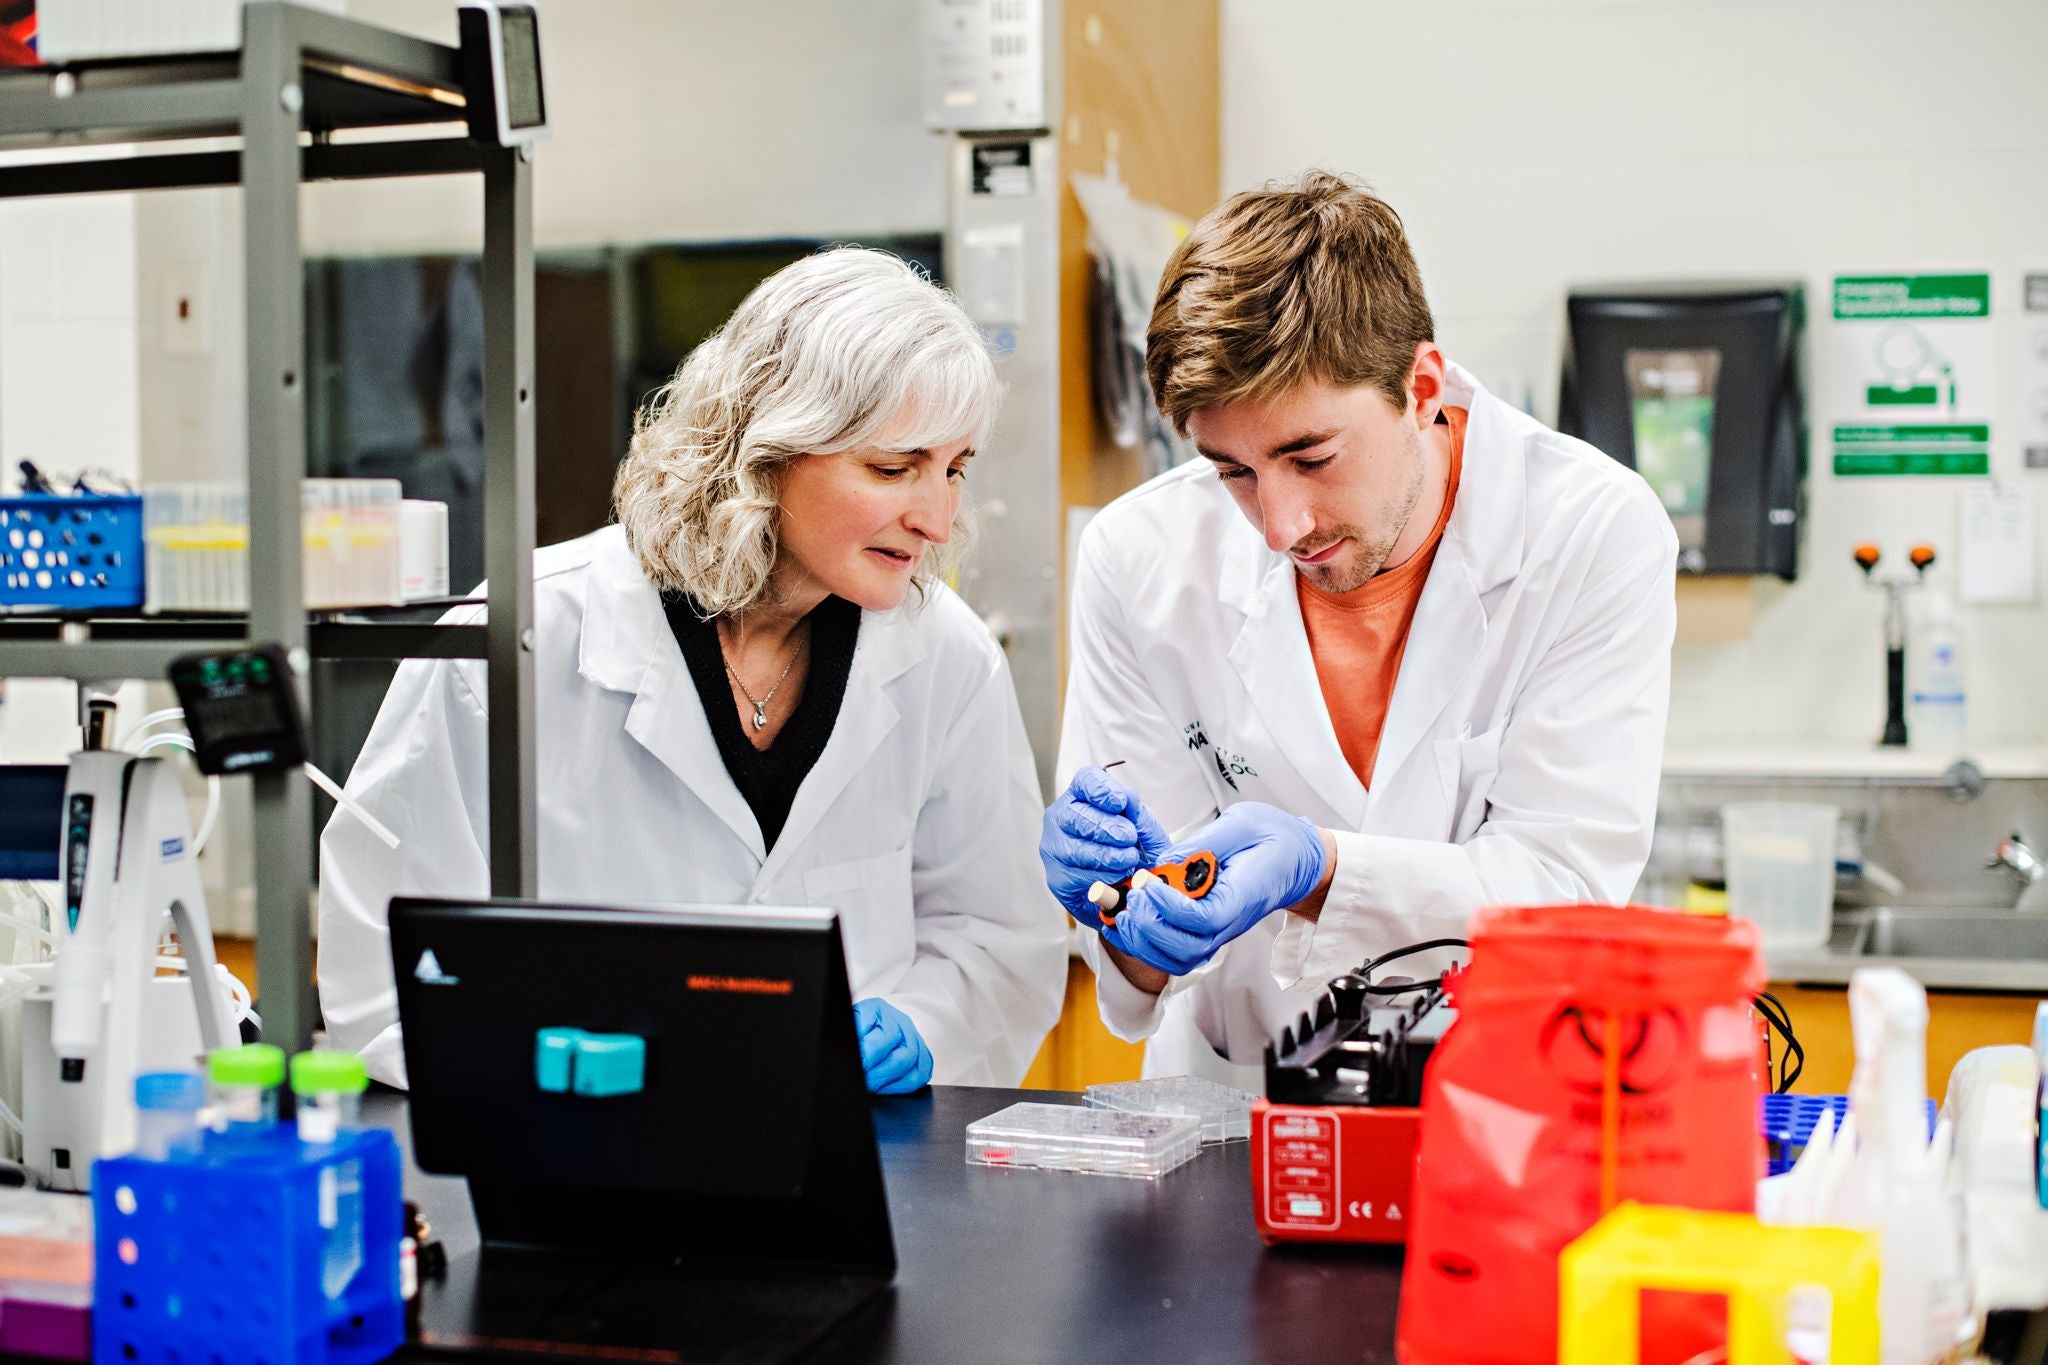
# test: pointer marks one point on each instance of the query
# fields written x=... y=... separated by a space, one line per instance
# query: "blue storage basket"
x=215 y=1260
x=70 y=553
x=1789 y=1120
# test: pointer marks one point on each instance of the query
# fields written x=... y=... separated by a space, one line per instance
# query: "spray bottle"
x=1897 y=1182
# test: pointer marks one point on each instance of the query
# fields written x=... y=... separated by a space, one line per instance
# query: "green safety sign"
x=1911 y=365
x=1913 y=296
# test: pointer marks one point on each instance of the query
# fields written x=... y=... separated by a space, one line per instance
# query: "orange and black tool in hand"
x=1192 y=878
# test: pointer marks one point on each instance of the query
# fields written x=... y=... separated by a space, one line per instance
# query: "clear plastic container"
x=196 y=545
x=244 y=1081
x=329 y=1086
x=1225 y=1111
x=1060 y=1137
x=1779 y=858
x=167 y=1105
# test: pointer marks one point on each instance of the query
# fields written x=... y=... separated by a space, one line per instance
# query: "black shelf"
x=143 y=647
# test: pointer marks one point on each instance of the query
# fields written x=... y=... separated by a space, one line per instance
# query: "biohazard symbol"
x=1652 y=1044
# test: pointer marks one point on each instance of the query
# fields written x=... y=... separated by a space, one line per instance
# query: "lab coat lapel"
x=887 y=648
x=1443 y=643
x=1272 y=658
x=1481 y=550
x=626 y=646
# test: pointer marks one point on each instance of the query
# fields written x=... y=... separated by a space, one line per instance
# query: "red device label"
x=1301 y=1170
x=1332 y=1173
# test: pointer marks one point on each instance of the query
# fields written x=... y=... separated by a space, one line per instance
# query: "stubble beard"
x=1369 y=552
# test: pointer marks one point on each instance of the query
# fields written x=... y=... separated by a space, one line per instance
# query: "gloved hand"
x=891 y=1050
x=1096 y=831
x=1266 y=859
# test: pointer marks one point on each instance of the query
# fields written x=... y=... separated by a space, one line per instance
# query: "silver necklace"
x=760 y=703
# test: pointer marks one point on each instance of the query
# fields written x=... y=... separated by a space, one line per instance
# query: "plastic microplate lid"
x=45 y=1248
x=1225 y=1111
x=1063 y=1137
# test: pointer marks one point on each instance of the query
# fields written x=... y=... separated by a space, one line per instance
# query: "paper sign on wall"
x=1998 y=544
x=1911 y=374
x=2033 y=369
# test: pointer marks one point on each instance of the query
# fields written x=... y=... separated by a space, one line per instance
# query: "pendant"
x=760 y=715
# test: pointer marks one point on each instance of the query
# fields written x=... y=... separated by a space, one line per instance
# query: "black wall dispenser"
x=1696 y=386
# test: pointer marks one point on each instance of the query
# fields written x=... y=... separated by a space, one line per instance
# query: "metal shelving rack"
x=301 y=77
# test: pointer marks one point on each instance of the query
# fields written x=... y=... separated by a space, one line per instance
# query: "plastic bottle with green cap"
x=329 y=1086
x=245 y=1082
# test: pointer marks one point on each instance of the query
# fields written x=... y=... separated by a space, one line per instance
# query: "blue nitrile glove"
x=1096 y=831
x=1266 y=860
x=891 y=1050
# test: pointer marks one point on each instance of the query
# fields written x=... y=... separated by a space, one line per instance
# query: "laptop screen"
x=684 y=1063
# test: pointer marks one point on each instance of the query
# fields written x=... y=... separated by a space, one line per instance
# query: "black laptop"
x=663 y=1121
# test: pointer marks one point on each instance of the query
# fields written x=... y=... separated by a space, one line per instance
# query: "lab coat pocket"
x=1468 y=765
x=872 y=896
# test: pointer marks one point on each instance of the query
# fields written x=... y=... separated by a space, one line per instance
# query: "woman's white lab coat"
x=918 y=823
x=1520 y=756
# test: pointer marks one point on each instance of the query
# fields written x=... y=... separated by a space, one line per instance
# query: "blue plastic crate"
x=1788 y=1121
x=218 y=1258
x=70 y=554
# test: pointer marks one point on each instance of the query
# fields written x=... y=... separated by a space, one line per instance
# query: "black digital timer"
x=242 y=710
x=501 y=72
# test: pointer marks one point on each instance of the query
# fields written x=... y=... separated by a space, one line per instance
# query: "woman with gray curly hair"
x=757 y=687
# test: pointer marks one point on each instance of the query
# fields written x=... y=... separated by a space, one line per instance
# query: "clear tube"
x=329 y=1084
x=250 y=1105
x=325 y=1115
x=167 y=1105
x=244 y=1082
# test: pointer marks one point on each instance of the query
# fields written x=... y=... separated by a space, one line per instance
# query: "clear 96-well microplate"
x=1062 y=1137
x=1225 y=1111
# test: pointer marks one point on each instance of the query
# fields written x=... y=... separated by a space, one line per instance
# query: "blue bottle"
x=167 y=1105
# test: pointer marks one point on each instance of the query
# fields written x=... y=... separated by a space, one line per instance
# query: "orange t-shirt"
x=1357 y=638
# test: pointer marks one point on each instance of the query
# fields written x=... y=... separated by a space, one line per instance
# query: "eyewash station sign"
x=1913 y=359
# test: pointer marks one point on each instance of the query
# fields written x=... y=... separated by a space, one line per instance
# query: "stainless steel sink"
x=1991 y=937
x=1966 y=948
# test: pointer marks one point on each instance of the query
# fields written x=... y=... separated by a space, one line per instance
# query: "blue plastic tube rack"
x=1787 y=1121
x=79 y=553
x=215 y=1260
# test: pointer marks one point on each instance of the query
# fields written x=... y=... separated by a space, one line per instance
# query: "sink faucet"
x=2015 y=857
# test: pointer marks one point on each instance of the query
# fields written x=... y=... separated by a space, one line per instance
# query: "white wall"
x=1531 y=144
x=68 y=394
x=686 y=119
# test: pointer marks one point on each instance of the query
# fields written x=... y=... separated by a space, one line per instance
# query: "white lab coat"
x=1520 y=756
x=918 y=823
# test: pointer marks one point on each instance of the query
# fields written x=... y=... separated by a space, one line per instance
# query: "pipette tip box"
x=1225 y=1111
x=1061 y=1137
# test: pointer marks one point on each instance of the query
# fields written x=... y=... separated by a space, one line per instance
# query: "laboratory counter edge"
x=1000 y=1265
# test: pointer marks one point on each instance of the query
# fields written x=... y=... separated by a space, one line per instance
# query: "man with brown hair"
x=1392 y=650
